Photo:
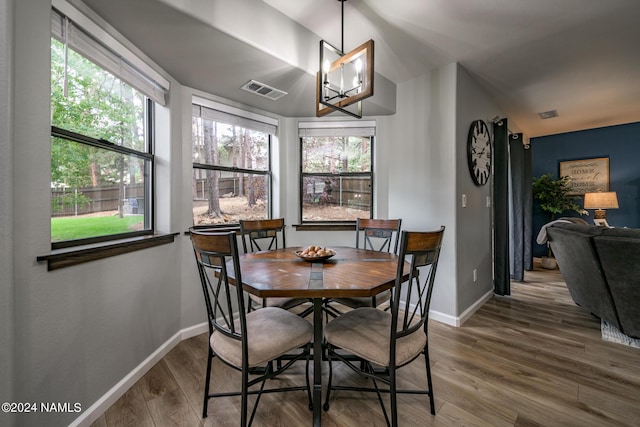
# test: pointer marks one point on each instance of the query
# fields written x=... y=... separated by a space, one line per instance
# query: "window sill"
x=67 y=257
x=325 y=226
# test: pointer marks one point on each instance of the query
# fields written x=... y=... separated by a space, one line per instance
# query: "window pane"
x=337 y=198
x=336 y=154
x=221 y=197
x=220 y=144
x=96 y=192
x=97 y=104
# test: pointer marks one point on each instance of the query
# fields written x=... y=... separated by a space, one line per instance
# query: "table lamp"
x=600 y=201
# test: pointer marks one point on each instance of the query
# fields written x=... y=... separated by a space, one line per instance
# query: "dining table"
x=349 y=273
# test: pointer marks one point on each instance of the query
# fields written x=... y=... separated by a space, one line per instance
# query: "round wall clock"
x=479 y=152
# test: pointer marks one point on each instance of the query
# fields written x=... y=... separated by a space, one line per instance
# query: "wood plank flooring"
x=531 y=359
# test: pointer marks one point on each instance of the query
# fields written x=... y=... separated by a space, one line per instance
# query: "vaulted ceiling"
x=579 y=57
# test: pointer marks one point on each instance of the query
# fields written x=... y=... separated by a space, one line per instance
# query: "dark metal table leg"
x=317 y=361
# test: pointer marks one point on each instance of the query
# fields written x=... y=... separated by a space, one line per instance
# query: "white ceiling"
x=579 y=57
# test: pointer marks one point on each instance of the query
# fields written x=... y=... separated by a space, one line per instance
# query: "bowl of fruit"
x=315 y=253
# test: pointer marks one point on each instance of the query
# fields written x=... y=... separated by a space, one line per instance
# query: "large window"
x=231 y=166
x=336 y=180
x=101 y=146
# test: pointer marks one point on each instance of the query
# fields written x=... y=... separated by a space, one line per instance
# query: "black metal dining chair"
x=376 y=235
x=262 y=234
x=248 y=342
x=382 y=341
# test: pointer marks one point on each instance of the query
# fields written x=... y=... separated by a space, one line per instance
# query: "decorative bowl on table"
x=315 y=253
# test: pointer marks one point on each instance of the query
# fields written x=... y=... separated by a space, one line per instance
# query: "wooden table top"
x=350 y=273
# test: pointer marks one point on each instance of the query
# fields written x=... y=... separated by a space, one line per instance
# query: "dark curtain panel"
x=527 y=203
x=502 y=275
x=521 y=204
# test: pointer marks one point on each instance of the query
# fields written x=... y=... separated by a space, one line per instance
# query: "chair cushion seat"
x=365 y=332
x=271 y=332
x=358 y=302
x=285 y=303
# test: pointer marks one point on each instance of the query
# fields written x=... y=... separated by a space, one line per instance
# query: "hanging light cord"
x=342 y=29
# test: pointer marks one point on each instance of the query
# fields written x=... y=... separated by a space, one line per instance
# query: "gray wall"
x=473 y=240
x=422 y=170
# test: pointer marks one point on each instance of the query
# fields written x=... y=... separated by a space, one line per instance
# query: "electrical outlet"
x=488 y=201
x=475 y=275
x=464 y=200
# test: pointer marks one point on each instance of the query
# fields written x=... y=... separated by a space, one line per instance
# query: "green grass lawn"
x=70 y=228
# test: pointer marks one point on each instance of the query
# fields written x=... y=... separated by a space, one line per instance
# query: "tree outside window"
x=231 y=171
x=101 y=157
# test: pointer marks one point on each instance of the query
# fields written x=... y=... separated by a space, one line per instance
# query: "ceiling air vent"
x=548 y=114
x=263 y=90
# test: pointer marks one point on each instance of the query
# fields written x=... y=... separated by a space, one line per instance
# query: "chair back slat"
x=262 y=234
x=378 y=234
x=423 y=251
x=216 y=252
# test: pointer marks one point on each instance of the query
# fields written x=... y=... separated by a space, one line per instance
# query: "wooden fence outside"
x=104 y=198
x=87 y=200
x=340 y=191
x=229 y=186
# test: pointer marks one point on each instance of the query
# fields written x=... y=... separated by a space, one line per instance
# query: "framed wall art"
x=587 y=175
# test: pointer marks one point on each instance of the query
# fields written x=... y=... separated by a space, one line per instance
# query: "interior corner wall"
x=422 y=172
x=385 y=144
x=474 y=222
x=620 y=143
x=192 y=308
x=7 y=281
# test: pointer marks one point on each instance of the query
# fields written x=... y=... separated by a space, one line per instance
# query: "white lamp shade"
x=601 y=200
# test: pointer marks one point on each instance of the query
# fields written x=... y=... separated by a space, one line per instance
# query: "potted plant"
x=553 y=195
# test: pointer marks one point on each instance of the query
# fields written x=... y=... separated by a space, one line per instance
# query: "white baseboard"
x=459 y=320
x=110 y=397
x=474 y=307
x=444 y=318
x=194 y=330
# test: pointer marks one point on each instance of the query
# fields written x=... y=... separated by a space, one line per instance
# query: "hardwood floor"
x=531 y=359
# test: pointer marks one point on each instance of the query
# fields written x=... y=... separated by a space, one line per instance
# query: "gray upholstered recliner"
x=601 y=267
x=619 y=253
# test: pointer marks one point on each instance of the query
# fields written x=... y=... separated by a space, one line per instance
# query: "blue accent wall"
x=620 y=143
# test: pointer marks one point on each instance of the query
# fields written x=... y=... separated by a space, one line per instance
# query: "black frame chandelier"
x=344 y=79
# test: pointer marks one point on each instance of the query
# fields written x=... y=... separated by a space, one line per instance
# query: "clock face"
x=479 y=152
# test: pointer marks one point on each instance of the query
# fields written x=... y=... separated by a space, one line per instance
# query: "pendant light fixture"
x=344 y=79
